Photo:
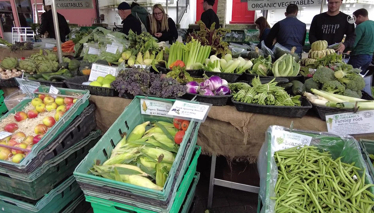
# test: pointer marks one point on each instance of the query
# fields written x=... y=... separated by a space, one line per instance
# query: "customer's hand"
x=341 y=48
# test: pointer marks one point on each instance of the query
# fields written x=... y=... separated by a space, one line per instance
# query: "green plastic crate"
x=126 y=122
x=107 y=206
x=175 y=202
x=52 y=202
x=78 y=205
x=346 y=147
x=367 y=147
x=50 y=174
x=60 y=125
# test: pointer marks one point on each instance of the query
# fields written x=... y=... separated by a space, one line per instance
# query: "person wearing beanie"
x=129 y=21
x=289 y=32
x=209 y=16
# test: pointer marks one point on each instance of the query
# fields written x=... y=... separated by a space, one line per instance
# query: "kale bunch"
x=167 y=88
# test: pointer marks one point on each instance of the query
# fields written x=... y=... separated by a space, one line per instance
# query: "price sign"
x=27 y=87
x=93 y=51
x=197 y=111
x=284 y=140
x=4 y=134
x=53 y=90
x=48 y=2
x=152 y=107
x=111 y=48
x=102 y=70
x=361 y=122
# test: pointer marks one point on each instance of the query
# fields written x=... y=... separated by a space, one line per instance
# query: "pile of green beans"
x=311 y=181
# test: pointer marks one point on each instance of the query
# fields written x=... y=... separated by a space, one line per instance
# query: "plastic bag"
x=252 y=36
x=90 y=52
x=111 y=52
x=14 y=99
x=266 y=50
x=278 y=47
x=346 y=147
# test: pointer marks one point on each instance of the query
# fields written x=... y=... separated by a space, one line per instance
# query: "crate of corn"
x=139 y=155
x=303 y=171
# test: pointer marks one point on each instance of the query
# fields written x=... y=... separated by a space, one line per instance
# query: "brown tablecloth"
x=225 y=132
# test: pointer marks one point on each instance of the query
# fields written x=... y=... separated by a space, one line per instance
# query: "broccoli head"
x=351 y=93
x=323 y=75
x=353 y=82
x=311 y=84
x=333 y=87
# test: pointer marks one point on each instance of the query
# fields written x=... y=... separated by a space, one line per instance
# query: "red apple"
x=29 y=140
x=20 y=145
x=19 y=137
x=32 y=113
x=20 y=116
x=4 y=153
x=40 y=129
x=42 y=96
x=68 y=106
x=48 y=100
x=61 y=108
x=12 y=127
x=12 y=143
x=59 y=115
x=49 y=121
x=68 y=101
x=37 y=139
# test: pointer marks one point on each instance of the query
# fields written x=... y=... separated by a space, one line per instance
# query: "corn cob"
x=154 y=153
x=122 y=158
x=140 y=181
x=138 y=132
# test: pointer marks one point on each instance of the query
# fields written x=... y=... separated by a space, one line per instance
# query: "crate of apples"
x=29 y=126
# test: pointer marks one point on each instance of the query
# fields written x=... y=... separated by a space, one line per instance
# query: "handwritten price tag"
x=361 y=122
x=197 y=111
x=152 y=107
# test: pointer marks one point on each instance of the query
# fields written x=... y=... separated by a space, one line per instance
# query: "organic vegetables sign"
x=361 y=122
x=152 y=107
x=284 y=140
x=187 y=110
x=278 y=4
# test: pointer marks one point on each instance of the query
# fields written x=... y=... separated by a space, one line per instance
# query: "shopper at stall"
x=129 y=21
x=264 y=29
x=363 y=48
x=47 y=28
x=332 y=26
x=141 y=13
x=209 y=16
x=162 y=27
x=289 y=32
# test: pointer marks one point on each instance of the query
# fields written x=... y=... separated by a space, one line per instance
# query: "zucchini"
x=37 y=76
x=57 y=78
x=298 y=88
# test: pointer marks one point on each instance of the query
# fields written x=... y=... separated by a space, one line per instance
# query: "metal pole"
x=167 y=6
x=57 y=30
x=322 y=4
x=36 y=11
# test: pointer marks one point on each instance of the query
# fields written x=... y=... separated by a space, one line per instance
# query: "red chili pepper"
x=177 y=63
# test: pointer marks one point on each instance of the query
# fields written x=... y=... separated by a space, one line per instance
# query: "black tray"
x=76 y=83
x=196 y=73
x=282 y=111
x=215 y=100
x=251 y=76
x=103 y=190
x=53 y=83
x=322 y=111
x=229 y=77
x=77 y=130
x=11 y=82
x=161 y=70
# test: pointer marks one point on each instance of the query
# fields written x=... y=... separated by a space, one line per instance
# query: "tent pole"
x=57 y=30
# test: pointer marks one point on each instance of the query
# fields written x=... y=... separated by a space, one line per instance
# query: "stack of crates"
x=3 y=108
x=43 y=181
x=111 y=196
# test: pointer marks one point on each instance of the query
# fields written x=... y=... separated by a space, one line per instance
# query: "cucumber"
x=37 y=76
x=298 y=88
x=58 y=78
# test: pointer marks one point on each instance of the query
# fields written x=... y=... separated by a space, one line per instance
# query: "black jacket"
x=209 y=17
x=131 y=22
x=170 y=35
x=47 y=25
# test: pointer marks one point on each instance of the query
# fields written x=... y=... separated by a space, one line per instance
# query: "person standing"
x=263 y=26
x=162 y=27
x=141 y=13
x=47 y=28
x=289 y=32
x=332 y=26
x=363 y=47
x=209 y=16
x=128 y=20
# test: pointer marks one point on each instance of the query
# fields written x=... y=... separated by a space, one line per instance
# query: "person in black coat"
x=129 y=21
x=47 y=27
x=162 y=27
x=209 y=16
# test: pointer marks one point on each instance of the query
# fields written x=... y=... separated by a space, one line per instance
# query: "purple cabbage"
x=207 y=84
x=192 y=84
x=224 y=83
x=206 y=92
x=215 y=81
x=223 y=90
x=193 y=87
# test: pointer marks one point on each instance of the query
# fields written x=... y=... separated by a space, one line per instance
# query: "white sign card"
x=26 y=86
x=111 y=48
x=4 y=134
x=93 y=51
x=285 y=140
x=102 y=70
x=361 y=122
x=53 y=90
x=187 y=110
x=152 y=107
x=279 y=4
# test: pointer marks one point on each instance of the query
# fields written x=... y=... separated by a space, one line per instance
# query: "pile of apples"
x=19 y=139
